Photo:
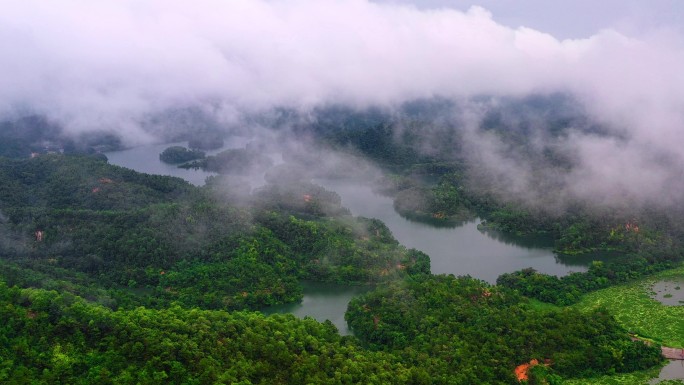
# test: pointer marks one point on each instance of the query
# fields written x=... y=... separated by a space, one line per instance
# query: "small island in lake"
x=180 y=154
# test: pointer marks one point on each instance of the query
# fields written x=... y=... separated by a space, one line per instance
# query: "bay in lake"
x=461 y=250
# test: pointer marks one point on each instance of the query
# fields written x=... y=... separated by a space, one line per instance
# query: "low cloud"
x=115 y=64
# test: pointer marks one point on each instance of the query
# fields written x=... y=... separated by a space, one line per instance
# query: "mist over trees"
x=112 y=276
x=111 y=240
x=179 y=154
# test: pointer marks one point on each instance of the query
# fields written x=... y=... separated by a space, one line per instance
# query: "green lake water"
x=461 y=250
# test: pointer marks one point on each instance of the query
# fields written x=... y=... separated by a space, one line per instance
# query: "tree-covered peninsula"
x=180 y=154
x=112 y=276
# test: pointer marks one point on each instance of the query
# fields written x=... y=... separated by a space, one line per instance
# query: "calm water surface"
x=460 y=251
x=322 y=301
x=146 y=159
x=669 y=292
x=674 y=370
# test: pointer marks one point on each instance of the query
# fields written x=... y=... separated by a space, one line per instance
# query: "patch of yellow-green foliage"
x=636 y=311
x=542 y=306
x=634 y=378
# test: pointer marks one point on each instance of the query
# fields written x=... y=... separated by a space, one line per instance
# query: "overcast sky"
x=572 y=18
x=92 y=61
x=114 y=63
x=303 y=51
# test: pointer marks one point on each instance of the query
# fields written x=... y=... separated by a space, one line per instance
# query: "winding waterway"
x=462 y=250
x=146 y=159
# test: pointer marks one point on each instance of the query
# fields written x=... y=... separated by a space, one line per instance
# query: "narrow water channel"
x=460 y=251
x=145 y=159
x=463 y=250
x=322 y=301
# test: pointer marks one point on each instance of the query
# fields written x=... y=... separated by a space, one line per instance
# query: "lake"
x=146 y=159
x=669 y=292
x=322 y=301
x=461 y=250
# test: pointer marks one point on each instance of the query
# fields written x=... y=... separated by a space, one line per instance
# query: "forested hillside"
x=532 y=148
x=435 y=172
x=53 y=338
x=152 y=240
x=455 y=325
x=111 y=276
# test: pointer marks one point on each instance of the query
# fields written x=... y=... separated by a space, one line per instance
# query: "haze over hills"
x=451 y=110
x=158 y=70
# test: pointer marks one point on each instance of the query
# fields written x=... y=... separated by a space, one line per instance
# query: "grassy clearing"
x=636 y=311
x=542 y=306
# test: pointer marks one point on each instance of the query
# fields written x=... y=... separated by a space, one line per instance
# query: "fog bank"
x=115 y=65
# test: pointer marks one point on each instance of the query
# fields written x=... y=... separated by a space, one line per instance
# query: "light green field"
x=637 y=378
x=636 y=311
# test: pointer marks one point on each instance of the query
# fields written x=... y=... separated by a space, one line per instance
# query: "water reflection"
x=462 y=250
x=669 y=292
x=322 y=301
x=146 y=159
x=674 y=370
x=585 y=259
x=435 y=222
x=528 y=242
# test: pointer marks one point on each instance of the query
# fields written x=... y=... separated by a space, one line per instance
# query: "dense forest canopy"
x=129 y=229
x=559 y=121
x=463 y=323
x=179 y=154
x=116 y=270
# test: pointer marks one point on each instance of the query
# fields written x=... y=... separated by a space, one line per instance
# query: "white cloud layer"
x=106 y=63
